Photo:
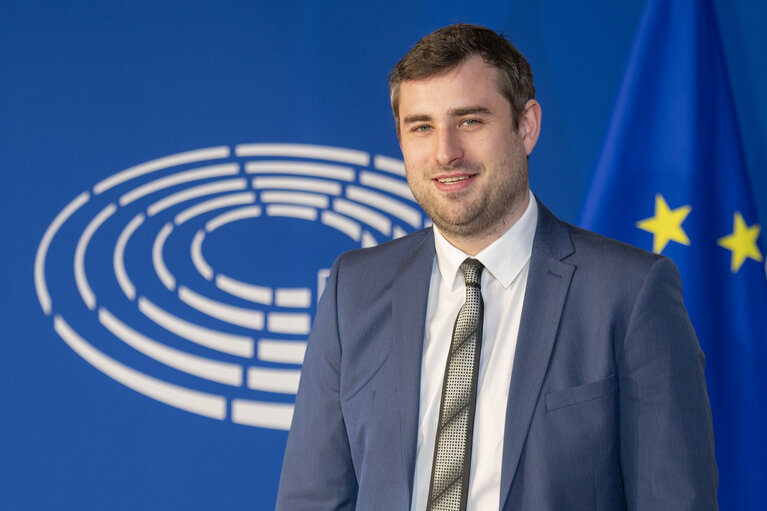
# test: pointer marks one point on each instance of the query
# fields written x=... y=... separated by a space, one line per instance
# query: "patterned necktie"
x=449 y=487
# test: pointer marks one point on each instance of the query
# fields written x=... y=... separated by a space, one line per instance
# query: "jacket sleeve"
x=666 y=436
x=317 y=471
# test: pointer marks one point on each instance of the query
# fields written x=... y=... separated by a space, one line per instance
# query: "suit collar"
x=547 y=284
x=410 y=297
x=552 y=235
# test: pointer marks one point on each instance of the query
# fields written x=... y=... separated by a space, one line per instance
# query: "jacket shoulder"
x=592 y=248
x=385 y=255
x=609 y=268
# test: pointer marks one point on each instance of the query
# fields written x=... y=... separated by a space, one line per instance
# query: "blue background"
x=90 y=88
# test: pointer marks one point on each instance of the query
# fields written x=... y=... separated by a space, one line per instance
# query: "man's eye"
x=421 y=128
x=470 y=122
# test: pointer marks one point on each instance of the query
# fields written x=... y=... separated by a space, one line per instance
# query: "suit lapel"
x=547 y=284
x=410 y=296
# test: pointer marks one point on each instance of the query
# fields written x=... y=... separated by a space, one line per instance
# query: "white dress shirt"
x=504 y=281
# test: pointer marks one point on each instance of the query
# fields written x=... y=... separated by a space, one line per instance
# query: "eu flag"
x=672 y=178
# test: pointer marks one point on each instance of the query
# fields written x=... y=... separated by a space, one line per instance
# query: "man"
x=582 y=384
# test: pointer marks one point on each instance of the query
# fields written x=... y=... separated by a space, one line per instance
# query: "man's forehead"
x=471 y=86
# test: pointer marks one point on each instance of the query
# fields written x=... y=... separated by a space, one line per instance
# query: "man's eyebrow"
x=456 y=112
x=469 y=110
x=416 y=118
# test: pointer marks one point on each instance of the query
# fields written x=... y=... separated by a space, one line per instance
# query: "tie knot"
x=471 y=269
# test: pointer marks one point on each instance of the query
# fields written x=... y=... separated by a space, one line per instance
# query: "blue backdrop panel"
x=177 y=178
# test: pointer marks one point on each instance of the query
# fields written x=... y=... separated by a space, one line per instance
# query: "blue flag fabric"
x=672 y=178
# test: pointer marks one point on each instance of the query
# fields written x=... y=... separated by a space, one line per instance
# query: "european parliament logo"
x=193 y=278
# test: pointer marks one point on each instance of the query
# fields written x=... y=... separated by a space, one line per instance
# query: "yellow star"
x=742 y=242
x=666 y=225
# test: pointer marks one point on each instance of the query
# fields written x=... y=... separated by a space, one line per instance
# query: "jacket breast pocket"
x=581 y=393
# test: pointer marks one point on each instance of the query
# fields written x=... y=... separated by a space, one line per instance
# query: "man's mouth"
x=452 y=179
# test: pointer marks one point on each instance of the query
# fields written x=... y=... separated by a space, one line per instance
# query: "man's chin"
x=456 y=227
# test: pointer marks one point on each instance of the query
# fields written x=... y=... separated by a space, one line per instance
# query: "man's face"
x=465 y=162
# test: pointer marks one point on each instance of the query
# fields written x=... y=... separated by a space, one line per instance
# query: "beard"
x=480 y=211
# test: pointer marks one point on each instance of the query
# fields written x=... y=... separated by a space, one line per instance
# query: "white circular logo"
x=193 y=278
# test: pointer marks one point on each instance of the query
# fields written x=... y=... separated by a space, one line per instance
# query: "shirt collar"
x=503 y=259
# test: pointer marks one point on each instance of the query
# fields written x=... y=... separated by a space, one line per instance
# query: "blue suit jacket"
x=607 y=406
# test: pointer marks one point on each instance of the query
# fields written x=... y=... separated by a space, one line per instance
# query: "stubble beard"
x=487 y=214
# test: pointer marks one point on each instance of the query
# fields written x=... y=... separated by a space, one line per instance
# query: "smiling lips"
x=452 y=179
x=447 y=183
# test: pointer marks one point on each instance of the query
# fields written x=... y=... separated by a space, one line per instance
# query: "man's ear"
x=530 y=125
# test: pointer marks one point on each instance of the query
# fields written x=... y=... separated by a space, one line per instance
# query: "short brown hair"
x=445 y=48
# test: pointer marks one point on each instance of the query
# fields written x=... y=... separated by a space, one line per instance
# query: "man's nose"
x=449 y=149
